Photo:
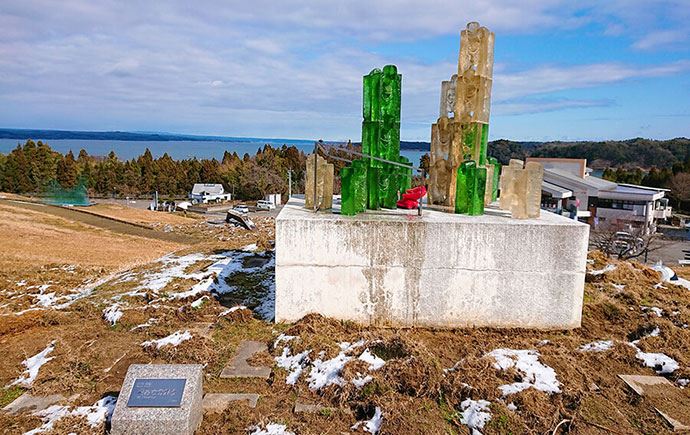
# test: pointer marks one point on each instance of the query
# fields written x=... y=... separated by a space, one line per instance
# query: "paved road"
x=102 y=222
x=670 y=252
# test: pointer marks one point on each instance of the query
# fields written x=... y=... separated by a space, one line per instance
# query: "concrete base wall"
x=443 y=270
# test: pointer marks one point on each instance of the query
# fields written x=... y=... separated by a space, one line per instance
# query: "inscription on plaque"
x=156 y=393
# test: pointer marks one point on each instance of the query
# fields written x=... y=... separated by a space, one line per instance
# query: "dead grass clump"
x=195 y=351
x=242 y=315
x=391 y=349
x=318 y=324
x=416 y=376
x=18 y=424
x=405 y=415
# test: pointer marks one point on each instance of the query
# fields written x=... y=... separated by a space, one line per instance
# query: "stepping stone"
x=219 y=402
x=667 y=399
x=26 y=402
x=238 y=366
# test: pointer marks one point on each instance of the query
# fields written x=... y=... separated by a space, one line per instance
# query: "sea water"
x=178 y=150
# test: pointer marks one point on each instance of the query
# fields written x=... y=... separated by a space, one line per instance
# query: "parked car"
x=241 y=208
x=265 y=205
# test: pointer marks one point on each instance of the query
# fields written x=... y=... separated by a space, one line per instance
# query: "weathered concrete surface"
x=444 y=270
x=238 y=367
x=219 y=402
x=183 y=420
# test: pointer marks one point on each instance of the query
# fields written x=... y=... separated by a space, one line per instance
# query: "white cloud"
x=290 y=68
x=661 y=39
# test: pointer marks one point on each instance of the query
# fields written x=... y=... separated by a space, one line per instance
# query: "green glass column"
x=464 y=185
x=477 y=190
x=497 y=176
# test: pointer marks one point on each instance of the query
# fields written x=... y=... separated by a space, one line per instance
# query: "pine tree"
x=67 y=172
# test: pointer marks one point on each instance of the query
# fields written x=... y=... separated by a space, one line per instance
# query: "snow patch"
x=199 y=302
x=249 y=248
x=294 y=364
x=661 y=363
x=283 y=338
x=526 y=362
x=271 y=429
x=151 y=321
x=597 y=346
x=362 y=380
x=173 y=339
x=475 y=414
x=324 y=373
x=374 y=361
x=372 y=426
x=95 y=415
x=608 y=268
x=232 y=310
x=112 y=314
x=656 y=310
x=33 y=365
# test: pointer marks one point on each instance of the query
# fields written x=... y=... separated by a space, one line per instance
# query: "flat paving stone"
x=238 y=367
x=219 y=402
x=26 y=402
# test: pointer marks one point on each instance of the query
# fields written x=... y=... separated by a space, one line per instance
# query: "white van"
x=265 y=205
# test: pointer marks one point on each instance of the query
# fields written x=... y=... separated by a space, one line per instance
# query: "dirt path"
x=103 y=222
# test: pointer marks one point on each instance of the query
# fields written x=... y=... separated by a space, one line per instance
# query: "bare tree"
x=624 y=245
x=680 y=187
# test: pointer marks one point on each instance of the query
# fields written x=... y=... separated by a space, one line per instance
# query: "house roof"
x=556 y=191
x=570 y=181
x=631 y=192
x=209 y=189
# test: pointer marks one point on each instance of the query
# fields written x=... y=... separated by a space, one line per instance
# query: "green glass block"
x=390 y=93
x=373 y=191
x=497 y=176
x=372 y=101
x=476 y=193
x=484 y=144
x=469 y=139
x=353 y=188
x=360 y=185
x=371 y=143
x=464 y=185
x=389 y=187
x=347 y=191
x=389 y=140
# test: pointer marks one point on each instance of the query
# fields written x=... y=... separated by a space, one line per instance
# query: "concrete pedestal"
x=392 y=267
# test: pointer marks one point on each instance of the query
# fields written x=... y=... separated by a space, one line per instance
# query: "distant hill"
x=638 y=152
x=24 y=134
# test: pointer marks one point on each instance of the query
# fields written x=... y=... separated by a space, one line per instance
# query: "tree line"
x=32 y=167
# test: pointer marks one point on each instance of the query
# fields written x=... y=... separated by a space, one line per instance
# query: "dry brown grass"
x=32 y=239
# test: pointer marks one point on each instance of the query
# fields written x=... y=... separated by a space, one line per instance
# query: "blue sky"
x=571 y=70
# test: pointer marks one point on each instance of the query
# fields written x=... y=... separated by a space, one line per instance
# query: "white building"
x=568 y=186
x=205 y=193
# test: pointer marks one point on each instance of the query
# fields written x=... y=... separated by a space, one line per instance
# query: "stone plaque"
x=159 y=399
x=156 y=393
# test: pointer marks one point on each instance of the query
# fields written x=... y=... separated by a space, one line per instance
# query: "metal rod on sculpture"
x=369 y=157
